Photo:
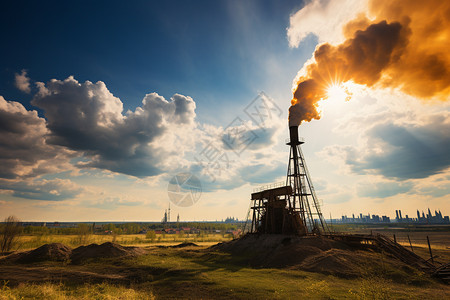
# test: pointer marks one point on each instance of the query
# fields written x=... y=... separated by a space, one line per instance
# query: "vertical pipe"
x=410 y=243
x=331 y=222
x=429 y=248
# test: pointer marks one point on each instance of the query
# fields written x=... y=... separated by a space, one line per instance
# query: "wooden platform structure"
x=271 y=214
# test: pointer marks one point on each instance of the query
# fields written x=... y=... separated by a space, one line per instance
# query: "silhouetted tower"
x=303 y=198
x=168 y=214
x=164 y=219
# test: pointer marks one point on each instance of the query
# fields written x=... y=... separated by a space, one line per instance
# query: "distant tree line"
x=129 y=228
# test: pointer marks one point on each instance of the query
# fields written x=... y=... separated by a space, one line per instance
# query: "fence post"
x=395 y=239
x=429 y=248
x=410 y=243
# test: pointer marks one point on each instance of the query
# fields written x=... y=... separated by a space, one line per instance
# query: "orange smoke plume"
x=405 y=46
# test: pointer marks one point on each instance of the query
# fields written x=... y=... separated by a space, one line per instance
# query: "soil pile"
x=105 y=250
x=185 y=244
x=47 y=252
x=60 y=252
x=182 y=245
x=310 y=253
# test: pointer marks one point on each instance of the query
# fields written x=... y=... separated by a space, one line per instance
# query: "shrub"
x=9 y=233
x=151 y=235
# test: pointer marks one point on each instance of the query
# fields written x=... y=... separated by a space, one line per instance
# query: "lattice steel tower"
x=303 y=199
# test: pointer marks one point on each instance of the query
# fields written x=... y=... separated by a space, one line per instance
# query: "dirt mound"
x=47 y=252
x=314 y=254
x=185 y=244
x=335 y=262
x=182 y=245
x=105 y=250
x=278 y=250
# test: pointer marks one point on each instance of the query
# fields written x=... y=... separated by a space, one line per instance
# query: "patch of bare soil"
x=47 y=252
x=17 y=274
x=335 y=262
x=19 y=267
x=105 y=250
x=182 y=245
x=314 y=254
x=60 y=252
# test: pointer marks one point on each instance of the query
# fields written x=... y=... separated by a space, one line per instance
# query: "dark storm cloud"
x=407 y=152
x=86 y=117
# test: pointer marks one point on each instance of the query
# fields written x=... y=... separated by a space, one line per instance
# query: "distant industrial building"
x=438 y=218
x=366 y=219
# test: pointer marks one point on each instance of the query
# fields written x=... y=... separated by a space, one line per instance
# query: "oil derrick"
x=292 y=208
x=303 y=199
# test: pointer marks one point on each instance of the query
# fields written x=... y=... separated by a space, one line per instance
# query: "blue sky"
x=211 y=51
x=128 y=95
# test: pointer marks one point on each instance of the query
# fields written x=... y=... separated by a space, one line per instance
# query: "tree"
x=83 y=232
x=9 y=233
x=151 y=235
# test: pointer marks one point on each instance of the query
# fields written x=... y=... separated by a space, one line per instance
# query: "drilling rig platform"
x=292 y=208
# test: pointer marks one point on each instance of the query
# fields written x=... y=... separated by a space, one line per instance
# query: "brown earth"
x=182 y=245
x=44 y=265
x=312 y=253
x=60 y=252
x=47 y=252
x=105 y=250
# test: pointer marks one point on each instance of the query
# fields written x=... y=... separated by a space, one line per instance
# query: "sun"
x=338 y=91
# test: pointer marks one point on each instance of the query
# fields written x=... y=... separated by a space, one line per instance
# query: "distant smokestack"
x=293 y=134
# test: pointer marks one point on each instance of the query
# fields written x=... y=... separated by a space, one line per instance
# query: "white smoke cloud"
x=22 y=82
x=324 y=19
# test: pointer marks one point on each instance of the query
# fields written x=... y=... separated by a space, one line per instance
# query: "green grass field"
x=194 y=273
x=166 y=273
x=26 y=242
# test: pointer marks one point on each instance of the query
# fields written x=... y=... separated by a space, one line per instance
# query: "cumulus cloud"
x=24 y=152
x=159 y=138
x=87 y=117
x=402 y=151
x=324 y=19
x=22 y=82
